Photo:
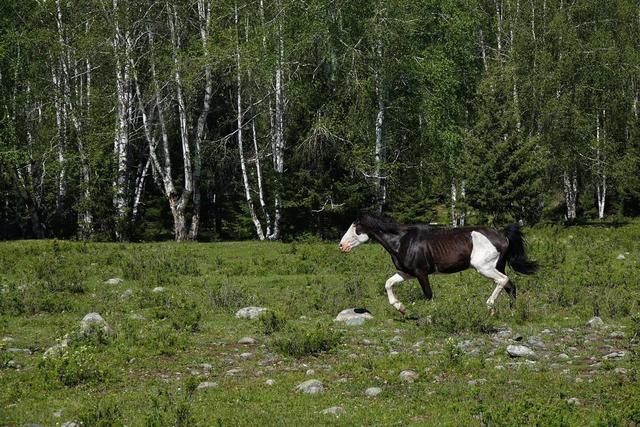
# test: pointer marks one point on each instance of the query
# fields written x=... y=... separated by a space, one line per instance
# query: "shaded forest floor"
x=170 y=354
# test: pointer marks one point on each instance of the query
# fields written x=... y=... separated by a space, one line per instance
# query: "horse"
x=418 y=250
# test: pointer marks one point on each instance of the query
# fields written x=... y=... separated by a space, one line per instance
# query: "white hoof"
x=400 y=307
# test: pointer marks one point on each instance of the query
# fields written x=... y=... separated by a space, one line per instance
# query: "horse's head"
x=354 y=236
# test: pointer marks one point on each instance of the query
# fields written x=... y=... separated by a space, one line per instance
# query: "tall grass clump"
x=297 y=341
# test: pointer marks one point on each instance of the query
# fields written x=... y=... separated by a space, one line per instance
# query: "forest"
x=203 y=120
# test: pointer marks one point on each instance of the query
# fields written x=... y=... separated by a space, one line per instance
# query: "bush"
x=272 y=322
x=76 y=365
x=299 y=342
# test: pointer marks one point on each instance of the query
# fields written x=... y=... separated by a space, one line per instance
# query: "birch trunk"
x=180 y=203
x=601 y=176
x=121 y=46
x=278 y=140
x=243 y=165
x=570 y=185
x=379 y=125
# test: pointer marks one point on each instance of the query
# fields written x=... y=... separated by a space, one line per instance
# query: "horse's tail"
x=516 y=254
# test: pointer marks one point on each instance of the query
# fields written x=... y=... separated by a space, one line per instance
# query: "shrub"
x=76 y=365
x=272 y=322
x=299 y=342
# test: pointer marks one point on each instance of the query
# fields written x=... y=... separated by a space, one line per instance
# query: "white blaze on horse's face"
x=353 y=237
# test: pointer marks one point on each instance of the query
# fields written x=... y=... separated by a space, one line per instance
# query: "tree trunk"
x=243 y=166
x=278 y=140
x=570 y=183
x=601 y=176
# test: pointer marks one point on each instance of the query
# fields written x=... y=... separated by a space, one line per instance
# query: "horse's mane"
x=384 y=224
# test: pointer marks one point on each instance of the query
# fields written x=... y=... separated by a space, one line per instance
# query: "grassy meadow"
x=163 y=343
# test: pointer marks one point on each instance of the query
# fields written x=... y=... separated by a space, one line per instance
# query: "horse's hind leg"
x=510 y=287
x=501 y=280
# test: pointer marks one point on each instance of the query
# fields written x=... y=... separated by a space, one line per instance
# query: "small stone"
x=617 y=334
x=70 y=424
x=621 y=256
x=520 y=351
x=366 y=342
x=58 y=413
x=269 y=382
x=157 y=289
x=113 y=281
x=573 y=401
x=595 y=322
x=409 y=376
x=334 y=410
x=373 y=391
x=206 y=385
x=499 y=367
x=536 y=342
x=615 y=355
x=620 y=371
x=206 y=367
x=233 y=372
x=12 y=364
x=126 y=294
x=564 y=356
x=546 y=331
x=310 y=387
x=247 y=341
x=251 y=313
x=476 y=382
x=246 y=356
x=394 y=353
x=396 y=339
x=310 y=372
x=57 y=349
x=7 y=339
x=19 y=350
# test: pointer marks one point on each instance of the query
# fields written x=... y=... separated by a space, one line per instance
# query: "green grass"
x=147 y=371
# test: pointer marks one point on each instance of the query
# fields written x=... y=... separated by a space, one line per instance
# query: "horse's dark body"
x=418 y=250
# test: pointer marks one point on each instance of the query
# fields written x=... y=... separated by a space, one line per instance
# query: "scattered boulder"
x=250 y=312
x=246 y=356
x=113 y=281
x=157 y=289
x=310 y=372
x=573 y=401
x=70 y=424
x=536 y=342
x=94 y=320
x=233 y=372
x=126 y=294
x=615 y=355
x=269 y=382
x=246 y=341
x=468 y=347
x=520 y=351
x=409 y=376
x=616 y=334
x=310 y=387
x=353 y=316
x=621 y=256
x=620 y=371
x=334 y=410
x=206 y=385
x=57 y=349
x=373 y=391
x=595 y=322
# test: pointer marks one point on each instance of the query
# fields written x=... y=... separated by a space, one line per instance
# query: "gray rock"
x=396 y=339
x=70 y=424
x=310 y=372
x=468 y=347
x=206 y=385
x=334 y=410
x=269 y=382
x=19 y=350
x=621 y=256
x=535 y=342
x=563 y=356
x=595 y=322
x=520 y=351
x=476 y=382
x=206 y=367
x=310 y=387
x=94 y=320
x=58 y=413
x=126 y=294
x=233 y=372
x=247 y=341
x=250 y=312
x=353 y=316
x=113 y=281
x=409 y=376
x=620 y=371
x=157 y=289
x=12 y=364
x=615 y=355
x=373 y=391
x=57 y=349
x=573 y=401
x=617 y=334
x=246 y=356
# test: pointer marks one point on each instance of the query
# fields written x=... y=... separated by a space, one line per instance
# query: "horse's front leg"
x=391 y=282
x=426 y=288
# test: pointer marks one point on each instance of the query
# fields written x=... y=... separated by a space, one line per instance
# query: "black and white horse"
x=418 y=250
